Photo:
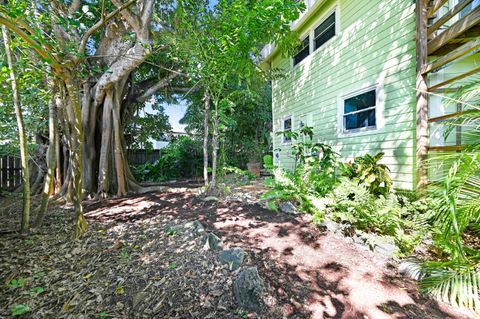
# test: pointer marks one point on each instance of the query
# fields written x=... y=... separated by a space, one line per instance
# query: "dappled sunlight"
x=375 y=46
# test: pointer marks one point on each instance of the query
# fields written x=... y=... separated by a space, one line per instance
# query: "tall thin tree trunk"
x=51 y=159
x=213 y=183
x=76 y=154
x=117 y=140
x=206 y=116
x=21 y=134
x=104 y=169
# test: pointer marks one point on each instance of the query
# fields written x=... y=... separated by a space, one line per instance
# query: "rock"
x=191 y=228
x=358 y=240
x=210 y=199
x=212 y=242
x=195 y=227
x=288 y=208
x=248 y=289
x=385 y=246
x=331 y=226
x=232 y=257
x=411 y=268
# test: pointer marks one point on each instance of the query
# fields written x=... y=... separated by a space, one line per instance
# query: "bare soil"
x=129 y=266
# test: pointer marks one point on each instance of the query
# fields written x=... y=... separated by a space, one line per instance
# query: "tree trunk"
x=213 y=183
x=21 y=134
x=51 y=159
x=206 y=116
x=75 y=119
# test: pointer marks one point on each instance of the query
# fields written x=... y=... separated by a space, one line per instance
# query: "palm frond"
x=452 y=282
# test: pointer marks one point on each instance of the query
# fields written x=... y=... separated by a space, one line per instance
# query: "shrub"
x=268 y=162
x=181 y=158
x=385 y=215
x=367 y=171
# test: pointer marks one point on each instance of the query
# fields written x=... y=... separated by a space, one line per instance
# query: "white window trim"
x=319 y=22
x=283 y=129
x=379 y=111
x=311 y=31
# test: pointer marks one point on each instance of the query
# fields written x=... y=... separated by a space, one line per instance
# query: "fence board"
x=139 y=157
x=10 y=172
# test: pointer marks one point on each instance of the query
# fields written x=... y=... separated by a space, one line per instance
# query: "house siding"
x=375 y=44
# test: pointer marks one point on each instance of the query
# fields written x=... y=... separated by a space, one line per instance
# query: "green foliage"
x=145 y=127
x=456 y=277
x=392 y=216
x=181 y=158
x=268 y=162
x=19 y=309
x=366 y=170
x=17 y=283
x=35 y=291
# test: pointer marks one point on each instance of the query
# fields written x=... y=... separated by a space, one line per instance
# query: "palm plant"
x=457 y=196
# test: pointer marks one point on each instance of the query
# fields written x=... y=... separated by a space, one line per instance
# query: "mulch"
x=127 y=266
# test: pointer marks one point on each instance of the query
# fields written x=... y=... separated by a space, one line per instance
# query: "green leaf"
x=19 y=309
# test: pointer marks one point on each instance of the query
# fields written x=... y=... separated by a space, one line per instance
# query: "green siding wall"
x=375 y=44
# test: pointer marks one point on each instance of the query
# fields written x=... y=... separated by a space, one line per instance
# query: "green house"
x=354 y=79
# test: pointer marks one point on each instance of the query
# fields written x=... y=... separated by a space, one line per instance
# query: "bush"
x=183 y=157
x=314 y=177
x=365 y=170
x=268 y=162
x=389 y=215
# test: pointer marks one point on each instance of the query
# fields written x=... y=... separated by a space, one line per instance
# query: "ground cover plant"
x=359 y=193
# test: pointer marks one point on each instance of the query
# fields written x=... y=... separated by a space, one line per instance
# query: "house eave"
x=295 y=26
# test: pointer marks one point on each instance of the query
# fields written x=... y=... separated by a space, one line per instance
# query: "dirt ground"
x=128 y=266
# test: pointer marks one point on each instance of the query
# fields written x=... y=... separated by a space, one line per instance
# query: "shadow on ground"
x=311 y=274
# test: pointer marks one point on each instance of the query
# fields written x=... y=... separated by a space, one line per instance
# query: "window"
x=287 y=127
x=324 y=32
x=359 y=111
x=303 y=52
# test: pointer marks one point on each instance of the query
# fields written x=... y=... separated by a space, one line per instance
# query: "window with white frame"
x=359 y=111
x=287 y=127
x=324 y=32
x=303 y=52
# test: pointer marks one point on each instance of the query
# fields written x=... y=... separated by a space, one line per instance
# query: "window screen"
x=303 y=52
x=359 y=111
x=324 y=31
x=287 y=127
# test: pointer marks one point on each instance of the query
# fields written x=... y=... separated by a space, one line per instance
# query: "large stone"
x=385 y=246
x=232 y=257
x=248 y=289
x=288 y=208
x=211 y=199
x=212 y=242
x=194 y=227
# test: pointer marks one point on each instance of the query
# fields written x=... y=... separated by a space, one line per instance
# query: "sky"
x=175 y=112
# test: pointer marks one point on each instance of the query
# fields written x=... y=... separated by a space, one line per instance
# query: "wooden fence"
x=11 y=166
x=139 y=157
x=10 y=172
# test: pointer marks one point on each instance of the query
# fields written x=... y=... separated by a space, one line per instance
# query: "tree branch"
x=100 y=23
x=133 y=20
x=47 y=56
x=155 y=88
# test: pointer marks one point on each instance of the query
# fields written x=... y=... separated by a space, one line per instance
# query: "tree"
x=105 y=64
x=21 y=132
x=222 y=45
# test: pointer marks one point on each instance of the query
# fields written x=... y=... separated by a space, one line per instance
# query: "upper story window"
x=287 y=127
x=359 y=111
x=303 y=52
x=324 y=32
